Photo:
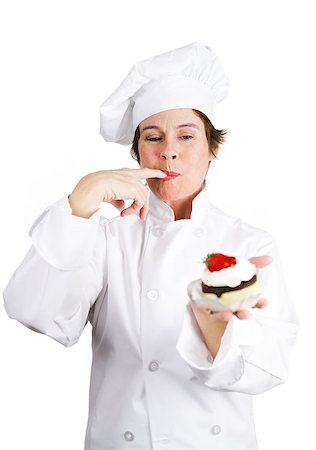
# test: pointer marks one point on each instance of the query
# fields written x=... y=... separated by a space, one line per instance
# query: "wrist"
x=80 y=212
x=210 y=322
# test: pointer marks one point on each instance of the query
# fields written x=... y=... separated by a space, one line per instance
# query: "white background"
x=60 y=59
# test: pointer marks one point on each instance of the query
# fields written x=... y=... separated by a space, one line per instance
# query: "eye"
x=186 y=137
x=153 y=139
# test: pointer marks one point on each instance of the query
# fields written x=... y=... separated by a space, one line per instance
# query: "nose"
x=169 y=154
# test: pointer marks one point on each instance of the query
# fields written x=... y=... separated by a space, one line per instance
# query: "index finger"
x=144 y=173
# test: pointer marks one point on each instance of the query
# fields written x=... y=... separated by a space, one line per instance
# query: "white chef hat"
x=187 y=77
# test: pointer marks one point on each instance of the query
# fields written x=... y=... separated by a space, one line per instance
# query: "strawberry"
x=218 y=261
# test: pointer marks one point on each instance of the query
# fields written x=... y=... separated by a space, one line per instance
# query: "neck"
x=182 y=208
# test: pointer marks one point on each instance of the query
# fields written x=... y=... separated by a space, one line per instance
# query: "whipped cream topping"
x=231 y=276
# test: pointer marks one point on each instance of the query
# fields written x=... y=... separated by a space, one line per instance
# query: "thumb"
x=261 y=261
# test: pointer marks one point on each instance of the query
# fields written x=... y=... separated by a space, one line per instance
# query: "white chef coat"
x=154 y=384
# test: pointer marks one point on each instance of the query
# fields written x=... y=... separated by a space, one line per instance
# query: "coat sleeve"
x=254 y=354
x=55 y=287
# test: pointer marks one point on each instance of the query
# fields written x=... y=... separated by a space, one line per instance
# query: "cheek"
x=148 y=163
x=199 y=158
x=146 y=158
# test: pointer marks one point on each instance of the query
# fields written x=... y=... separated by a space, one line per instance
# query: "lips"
x=170 y=175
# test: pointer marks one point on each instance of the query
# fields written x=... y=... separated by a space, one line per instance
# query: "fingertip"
x=243 y=314
x=267 y=259
x=262 y=303
x=142 y=214
x=159 y=173
x=223 y=315
x=261 y=261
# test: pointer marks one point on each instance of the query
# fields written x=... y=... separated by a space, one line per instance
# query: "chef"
x=165 y=373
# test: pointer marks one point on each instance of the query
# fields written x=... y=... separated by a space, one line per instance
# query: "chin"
x=170 y=193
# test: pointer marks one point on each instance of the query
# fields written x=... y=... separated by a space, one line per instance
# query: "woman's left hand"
x=259 y=262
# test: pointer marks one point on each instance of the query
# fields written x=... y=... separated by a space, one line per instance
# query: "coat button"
x=216 y=429
x=157 y=232
x=199 y=232
x=129 y=436
x=152 y=295
x=153 y=366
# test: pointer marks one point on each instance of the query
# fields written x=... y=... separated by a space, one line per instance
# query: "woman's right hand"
x=113 y=186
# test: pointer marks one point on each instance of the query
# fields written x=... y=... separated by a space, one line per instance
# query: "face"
x=175 y=141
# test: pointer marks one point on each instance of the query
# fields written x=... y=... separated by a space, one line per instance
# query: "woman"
x=165 y=374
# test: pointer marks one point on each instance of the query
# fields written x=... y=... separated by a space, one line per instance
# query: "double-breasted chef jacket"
x=154 y=384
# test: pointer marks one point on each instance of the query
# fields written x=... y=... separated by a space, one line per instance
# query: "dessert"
x=227 y=283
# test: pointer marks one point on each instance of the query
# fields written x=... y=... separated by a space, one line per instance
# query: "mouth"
x=170 y=175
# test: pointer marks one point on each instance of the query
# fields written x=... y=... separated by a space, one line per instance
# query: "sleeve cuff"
x=229 y=364
x=63 y=240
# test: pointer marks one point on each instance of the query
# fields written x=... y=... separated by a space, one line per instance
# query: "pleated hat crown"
x=187 y=77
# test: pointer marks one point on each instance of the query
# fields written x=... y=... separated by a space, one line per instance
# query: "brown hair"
x=214 y=137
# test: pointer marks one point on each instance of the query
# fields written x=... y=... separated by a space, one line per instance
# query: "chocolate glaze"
x=219 y=290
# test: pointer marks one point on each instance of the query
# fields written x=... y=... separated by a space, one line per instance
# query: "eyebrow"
x=155 y=127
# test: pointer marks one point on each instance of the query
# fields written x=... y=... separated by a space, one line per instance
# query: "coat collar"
x=159 y=211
